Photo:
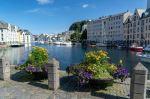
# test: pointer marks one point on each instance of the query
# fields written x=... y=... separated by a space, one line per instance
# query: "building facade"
x=11 y=34
x=123 y=28
x=107 y=29
x=133 y=28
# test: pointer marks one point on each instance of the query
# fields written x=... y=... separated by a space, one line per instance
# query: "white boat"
x=145 y=58
x=63 y=43
x=147 y=48
x=68 y=43
x=101 y=45
x=57 y=43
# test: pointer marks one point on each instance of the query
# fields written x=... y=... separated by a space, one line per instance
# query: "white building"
x=11 y=34
x=5 y=29
x=107 y=29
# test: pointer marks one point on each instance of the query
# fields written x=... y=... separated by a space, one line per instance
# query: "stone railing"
x=53 y=74
x=138 y=84
x=4 y=69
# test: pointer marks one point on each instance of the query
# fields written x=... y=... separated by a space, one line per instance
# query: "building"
x=137 y=27
x=148 y=4
x=5 y=32
x=108 y=29
x=133 y=28
x=95 y=30
x=12 y=35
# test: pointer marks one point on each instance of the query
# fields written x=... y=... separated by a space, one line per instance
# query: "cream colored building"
x=134 y=28
x=107 y=29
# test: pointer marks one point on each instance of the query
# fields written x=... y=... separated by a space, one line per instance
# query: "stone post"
x=53 y=75
x=138 y=82
x=4 y=69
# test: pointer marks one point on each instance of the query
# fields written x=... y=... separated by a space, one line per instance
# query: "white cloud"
x=42 y=2
x=85 y=5
x=33 y=10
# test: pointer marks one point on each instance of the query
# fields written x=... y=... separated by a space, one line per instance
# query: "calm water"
x=71 y=55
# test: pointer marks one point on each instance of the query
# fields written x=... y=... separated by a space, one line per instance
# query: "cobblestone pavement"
x=21 y=88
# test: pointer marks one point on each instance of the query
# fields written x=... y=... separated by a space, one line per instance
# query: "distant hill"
x=77 y=26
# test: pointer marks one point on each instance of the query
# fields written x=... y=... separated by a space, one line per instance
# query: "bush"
x=36 y=61
x=96 y=67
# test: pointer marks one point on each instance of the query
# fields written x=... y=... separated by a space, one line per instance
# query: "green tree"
x=84 y=35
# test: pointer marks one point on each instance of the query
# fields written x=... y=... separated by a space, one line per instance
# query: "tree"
x=84 y=35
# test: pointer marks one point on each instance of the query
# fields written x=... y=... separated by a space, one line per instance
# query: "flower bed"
x=96 y=70
x=35 y=63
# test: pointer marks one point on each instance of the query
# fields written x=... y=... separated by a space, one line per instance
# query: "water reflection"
x=15 y=55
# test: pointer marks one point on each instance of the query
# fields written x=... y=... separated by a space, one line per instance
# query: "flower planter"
x=100 y=83
x=40 y=75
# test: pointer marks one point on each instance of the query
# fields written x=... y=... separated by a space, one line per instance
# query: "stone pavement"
x=21 y=87
x=39 y=90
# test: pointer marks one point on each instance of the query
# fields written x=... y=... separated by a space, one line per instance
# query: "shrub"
x=96 y=57
x=36 y=61
x=121 y=73
x=95 y=66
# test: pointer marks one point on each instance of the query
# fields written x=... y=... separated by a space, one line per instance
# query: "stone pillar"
x=138 y=82
x=4 y=69
x=53 y=74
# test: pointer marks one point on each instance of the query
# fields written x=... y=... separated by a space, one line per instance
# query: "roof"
x=3 y=25
x=140 y=11
x=129 y=19
x=27 y=32
x=146 y=13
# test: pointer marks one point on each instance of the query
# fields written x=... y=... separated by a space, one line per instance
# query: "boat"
x=147 y=48
x=57 y=43
x=63 y=43
x=101 y=45
x=145 y=58
x=121 y=46
x=136 y=48
x=67 y=43
x=17 y=45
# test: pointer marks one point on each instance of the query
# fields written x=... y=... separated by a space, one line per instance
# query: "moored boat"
x=101 y=45
x=147 y=48
x=145 y=58
x=136 y=48
x=17 y=45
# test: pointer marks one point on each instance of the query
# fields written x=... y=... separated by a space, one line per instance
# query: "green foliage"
x=78 y=36
x=36 y=60
x=75 y=37
x=77 y=26
x=84 y=35
x=96 y=63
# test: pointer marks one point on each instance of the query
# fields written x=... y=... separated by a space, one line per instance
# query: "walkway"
x=22 y=88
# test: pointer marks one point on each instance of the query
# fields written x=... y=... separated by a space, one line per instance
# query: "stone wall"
x=138 y=82
x=4 y=69
x=53 y=74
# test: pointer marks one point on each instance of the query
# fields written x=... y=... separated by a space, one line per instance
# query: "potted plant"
x=35 y=63
x=95 y=70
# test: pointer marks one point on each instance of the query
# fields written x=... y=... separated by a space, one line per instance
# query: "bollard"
x=4 y=69
x=53 y=75
x=138 y=82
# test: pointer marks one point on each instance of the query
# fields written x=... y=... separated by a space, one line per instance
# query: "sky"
x=55 y=16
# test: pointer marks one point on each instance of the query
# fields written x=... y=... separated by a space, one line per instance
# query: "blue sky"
x=53 y=16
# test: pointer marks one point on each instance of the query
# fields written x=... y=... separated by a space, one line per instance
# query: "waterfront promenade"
x=21 y=87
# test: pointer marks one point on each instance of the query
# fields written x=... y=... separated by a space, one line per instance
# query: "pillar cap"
x=140 y=68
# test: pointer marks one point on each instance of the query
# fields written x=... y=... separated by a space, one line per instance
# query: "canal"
x=71 y=55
